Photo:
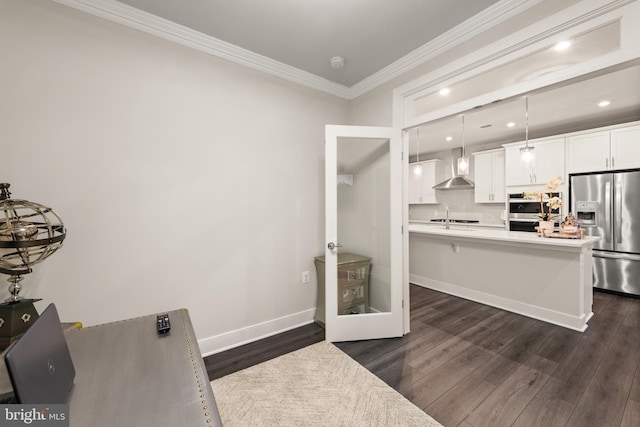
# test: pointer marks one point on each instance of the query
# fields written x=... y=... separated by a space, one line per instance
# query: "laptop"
x=39 y=363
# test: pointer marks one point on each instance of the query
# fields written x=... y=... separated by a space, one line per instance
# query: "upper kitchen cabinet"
x=489 y=176
x=588 y=152
x=421 y=188
x=604 y=150
x=548 y=162
x=625 y=148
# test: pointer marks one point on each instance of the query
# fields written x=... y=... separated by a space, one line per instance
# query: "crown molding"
x=134 y=18
x=488 y=18
x=131 y=17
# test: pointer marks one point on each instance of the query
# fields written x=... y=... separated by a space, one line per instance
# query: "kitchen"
x=571 y=137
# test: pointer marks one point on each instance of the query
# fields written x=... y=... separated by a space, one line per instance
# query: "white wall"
x=184 y=180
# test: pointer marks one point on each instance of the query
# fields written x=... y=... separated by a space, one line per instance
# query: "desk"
x=129 y=375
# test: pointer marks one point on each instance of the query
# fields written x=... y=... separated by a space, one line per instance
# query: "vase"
x=545 y=227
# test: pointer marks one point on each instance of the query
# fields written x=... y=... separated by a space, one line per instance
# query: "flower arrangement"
x=551 y=202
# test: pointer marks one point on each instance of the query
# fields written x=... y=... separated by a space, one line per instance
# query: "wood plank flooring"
x=471 y=365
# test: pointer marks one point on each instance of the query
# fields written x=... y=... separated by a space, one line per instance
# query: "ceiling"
x=567 y=107
x=300 y=36
x=306 y=34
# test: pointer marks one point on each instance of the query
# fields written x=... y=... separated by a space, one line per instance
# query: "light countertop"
x=458 y=224
x=512 y=237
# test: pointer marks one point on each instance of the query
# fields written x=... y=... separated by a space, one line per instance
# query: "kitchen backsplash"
x=462 y=206
x=461 y=202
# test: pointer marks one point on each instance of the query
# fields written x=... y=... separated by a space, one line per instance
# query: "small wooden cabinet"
x=489 y=176
x=353 y=285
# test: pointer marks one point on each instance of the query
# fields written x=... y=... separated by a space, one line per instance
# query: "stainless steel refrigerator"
x=608 y=205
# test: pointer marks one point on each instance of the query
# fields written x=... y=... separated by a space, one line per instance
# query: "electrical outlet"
x=305 y=277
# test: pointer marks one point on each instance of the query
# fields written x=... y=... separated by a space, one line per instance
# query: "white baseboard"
x=561 y=319
x=232 y=339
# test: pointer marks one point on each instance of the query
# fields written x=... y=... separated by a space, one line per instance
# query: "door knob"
x=332 y=245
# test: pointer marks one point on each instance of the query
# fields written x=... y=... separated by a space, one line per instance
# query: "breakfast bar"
x=549 y=279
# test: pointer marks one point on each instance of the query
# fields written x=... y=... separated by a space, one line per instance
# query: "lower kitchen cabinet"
x=489 y=176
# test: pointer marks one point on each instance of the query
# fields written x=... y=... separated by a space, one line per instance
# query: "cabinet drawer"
x=344 y=284
x=354 y=309
x=353 y=273
x=349 y=296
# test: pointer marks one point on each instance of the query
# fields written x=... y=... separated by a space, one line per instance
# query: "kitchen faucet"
x=447 y=215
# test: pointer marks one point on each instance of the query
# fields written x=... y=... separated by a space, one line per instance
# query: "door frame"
x=565 y=24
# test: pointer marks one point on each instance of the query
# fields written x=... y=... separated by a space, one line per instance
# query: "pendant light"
x=417 y=169
x=463 y=162
x=526 y=152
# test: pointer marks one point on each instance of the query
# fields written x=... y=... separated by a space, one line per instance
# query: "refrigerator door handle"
x=616 y=255
x=617 y=209
x=607 y=211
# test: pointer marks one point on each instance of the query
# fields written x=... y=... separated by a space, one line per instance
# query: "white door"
x=363 y=230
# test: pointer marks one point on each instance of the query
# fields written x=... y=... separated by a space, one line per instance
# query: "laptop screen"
x=39 y=363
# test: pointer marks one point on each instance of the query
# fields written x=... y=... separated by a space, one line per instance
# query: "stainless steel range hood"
x=456 y=182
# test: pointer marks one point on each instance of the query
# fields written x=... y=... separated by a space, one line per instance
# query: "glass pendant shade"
x=526 y=152
x=463 y=166
x=463 y=162
x=417 y=171
x=526 y=156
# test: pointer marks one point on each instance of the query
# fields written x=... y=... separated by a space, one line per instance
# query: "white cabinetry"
x=421 y=189
x=625 y=148
x=604 y=150
x=489 y=176
x=589 y=152
x=548 y=162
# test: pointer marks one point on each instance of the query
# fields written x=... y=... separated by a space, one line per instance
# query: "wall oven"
x=524 y=213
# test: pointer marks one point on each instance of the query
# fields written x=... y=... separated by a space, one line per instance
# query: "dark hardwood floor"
x=236 y=359
x=471 y=365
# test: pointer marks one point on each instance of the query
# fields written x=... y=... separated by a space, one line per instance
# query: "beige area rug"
x=318 y=385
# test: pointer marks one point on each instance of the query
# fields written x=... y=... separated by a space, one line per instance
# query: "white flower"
x=554 y=203
x=551 y=202
x=553 y=184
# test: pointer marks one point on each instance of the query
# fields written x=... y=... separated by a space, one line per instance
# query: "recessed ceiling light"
x=444 y=91
x=511 y=124
x=563 y=45
x=449 y=138
x=604 y=103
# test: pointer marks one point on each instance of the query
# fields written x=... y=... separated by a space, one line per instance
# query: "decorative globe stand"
x=29 y=233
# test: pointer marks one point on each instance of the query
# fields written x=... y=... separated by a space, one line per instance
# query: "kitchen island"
x=549 y=279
